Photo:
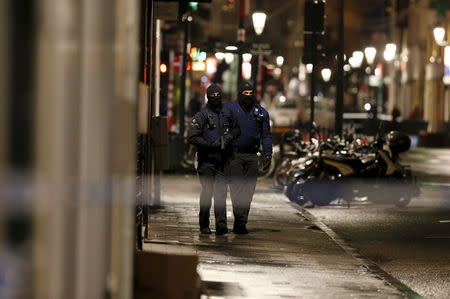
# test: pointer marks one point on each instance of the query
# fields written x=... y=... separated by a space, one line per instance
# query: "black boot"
x=205 y=231
x=240 y=230
x=221 y=231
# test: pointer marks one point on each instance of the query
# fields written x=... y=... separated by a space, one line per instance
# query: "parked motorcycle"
x=292 y=151
x=351 y=172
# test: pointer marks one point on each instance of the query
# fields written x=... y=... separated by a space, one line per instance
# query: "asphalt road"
x=413 y=243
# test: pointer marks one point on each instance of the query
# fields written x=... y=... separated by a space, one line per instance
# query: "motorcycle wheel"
x=321 y=192
x=402 y=201
x=294 y=193
x=288 y=190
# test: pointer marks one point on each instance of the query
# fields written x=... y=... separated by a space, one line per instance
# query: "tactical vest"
x=217 y=124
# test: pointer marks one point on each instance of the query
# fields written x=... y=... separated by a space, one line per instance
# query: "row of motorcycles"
x=320 y=171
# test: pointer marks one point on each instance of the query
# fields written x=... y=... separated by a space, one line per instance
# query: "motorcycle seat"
x=353 y=162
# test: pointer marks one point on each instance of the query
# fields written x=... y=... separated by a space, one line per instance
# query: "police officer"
x=211 y=131
x=253 y=121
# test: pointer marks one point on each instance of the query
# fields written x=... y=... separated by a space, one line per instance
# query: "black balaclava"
x=214 y=94
x=247 y=101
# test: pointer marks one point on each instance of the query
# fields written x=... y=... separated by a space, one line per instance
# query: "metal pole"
x=259 y=78
x=312 y=86
x=241 y=39
x=170 y=121
x=380 y=97
x=339 y=110
x=4 y=84
x=157 y=86
x=186 y=50
x=239 y=67
x=156 y=110
x=148 y=148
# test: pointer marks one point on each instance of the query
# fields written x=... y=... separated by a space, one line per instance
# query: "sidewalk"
x=284 y=256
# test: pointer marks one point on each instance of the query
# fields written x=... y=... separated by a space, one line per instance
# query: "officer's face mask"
x=214 y=100
x=247 y=99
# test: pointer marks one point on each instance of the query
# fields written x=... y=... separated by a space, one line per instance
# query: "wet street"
x=413 y=243
x=358 y=251
x=285 y=255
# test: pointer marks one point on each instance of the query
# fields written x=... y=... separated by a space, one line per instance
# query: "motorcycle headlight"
x=299 y=174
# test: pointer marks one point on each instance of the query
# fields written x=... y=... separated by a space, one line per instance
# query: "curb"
x=366 y=263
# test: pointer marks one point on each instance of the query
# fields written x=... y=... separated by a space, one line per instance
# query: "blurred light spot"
x=277 y=72
x=231 y=48
x=229 y=57
x=211 y=65
x=199 y=66
x=163 y=68
x=247 y=57
x=220 y=56
x=246 y=70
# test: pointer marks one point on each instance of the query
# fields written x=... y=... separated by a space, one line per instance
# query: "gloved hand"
x=227 y=139
x=266 y=162
x=216 y=144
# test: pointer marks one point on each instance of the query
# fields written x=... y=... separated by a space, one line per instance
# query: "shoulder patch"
x=195 y=124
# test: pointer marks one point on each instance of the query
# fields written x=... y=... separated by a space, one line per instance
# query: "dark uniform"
x=254 y=123
x=211 y=131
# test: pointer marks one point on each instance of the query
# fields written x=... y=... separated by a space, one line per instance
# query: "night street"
x=284 y=256
x=215 y=149
x=411 y=244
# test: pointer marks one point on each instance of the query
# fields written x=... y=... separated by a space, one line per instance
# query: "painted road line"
x=433 y=184
x=365 y=262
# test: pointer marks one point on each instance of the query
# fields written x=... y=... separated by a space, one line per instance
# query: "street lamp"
x=247 y=57
x=359 y=56
x=309 y=68
x=229 y=57
x=326 y=74
x=370 y=53
x=389 y=52
x=259 y=20
x=353 y=62
x=231 y=48
x=246 y=66
x=246 y=70
x=439 y=35
x=280 y=61
x=220 y=56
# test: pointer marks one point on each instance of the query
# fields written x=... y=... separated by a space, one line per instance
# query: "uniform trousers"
x=214 y=182
x=243 y=176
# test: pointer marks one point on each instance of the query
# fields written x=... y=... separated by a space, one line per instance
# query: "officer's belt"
x=244 y=151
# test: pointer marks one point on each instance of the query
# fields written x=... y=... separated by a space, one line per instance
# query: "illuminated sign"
x=197 y=54
x=199 y=66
